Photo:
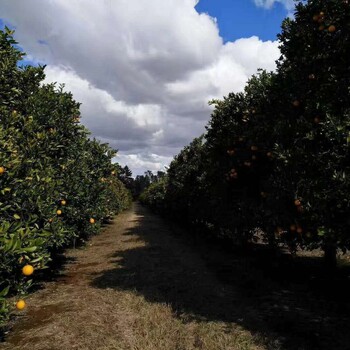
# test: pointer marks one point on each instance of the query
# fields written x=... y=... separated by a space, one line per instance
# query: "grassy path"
x=139 y=286
x=135 y=286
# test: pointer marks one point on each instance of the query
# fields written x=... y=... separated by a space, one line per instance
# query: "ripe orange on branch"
x=2 y=170
x=92 y=220
x=297 y=202
x=28 y=270
x=332 y=28
x=59 y=212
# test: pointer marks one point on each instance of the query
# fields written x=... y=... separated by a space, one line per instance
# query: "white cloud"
x=144 y=71
x=289 y=4
x=139 y=163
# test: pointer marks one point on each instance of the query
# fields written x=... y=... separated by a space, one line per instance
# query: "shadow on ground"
x=287 y=303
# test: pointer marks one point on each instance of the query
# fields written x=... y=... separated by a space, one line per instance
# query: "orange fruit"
x=332 y=28
x=316 y=120
x=50 y=220
x=59 y=212
x=296 y=103
x=20 y=305
x=247 y=163
x=299 y=230
x=241 y=139
x=92 y=220
x=297 y=202
x=2 y=170
x=269 y=154
x=14 y=112
x=63 y=202
x=254 y=148
x=315 y=18
x=230 y=152
x=293 y=227
x=113 y=172
x=312 y=76
x=28 y=270
x=321 y=28
x=254 y=157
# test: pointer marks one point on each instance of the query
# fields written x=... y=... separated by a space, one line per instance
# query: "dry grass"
x=126 y=292
x=142 y=285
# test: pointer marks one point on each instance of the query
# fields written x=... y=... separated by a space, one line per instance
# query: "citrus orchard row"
x=57 y=185
x=276 y=156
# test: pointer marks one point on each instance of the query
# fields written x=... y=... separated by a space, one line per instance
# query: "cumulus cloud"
x=143 y=71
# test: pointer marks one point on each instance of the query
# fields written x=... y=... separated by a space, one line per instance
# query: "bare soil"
x=143 y=285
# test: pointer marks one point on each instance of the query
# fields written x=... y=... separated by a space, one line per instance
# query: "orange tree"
x=312 y=134
x=241 y=161
x=56 y=184
x=277 y=155
x=186 y=185
x=299 y=118
x=154 y=196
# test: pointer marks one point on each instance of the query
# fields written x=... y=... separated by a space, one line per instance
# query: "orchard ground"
x=142 y=285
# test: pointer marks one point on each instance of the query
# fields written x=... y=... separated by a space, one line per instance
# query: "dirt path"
x=143 y=284
x=135 y=286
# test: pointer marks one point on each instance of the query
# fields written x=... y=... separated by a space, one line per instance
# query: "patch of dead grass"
x=73 y=313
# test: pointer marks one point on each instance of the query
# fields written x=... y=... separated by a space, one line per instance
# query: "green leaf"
x=4 y=291
x=29 y=249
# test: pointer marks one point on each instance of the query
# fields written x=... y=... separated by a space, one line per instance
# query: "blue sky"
x=242 y=18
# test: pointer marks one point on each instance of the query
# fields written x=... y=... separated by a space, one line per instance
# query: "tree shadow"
x=286 y=303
